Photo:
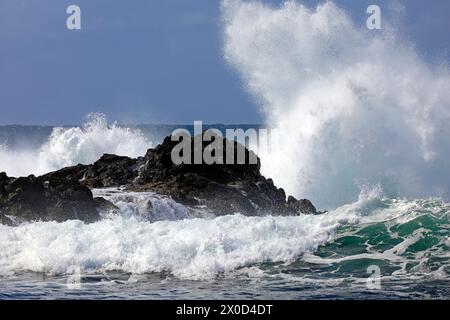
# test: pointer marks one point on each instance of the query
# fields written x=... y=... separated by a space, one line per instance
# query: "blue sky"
x=146 y=61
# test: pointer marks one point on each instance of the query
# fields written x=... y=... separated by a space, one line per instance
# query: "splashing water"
x=325 y=256
x=71 y=146
x=353 y=110
x=351 y=106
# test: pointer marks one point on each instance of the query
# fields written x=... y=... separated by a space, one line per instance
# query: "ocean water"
x=351 y=106
x=156 y=248
x=163 y=251
x=362 y=130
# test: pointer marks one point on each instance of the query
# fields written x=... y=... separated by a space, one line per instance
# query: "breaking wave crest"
x=196 y=248
x=351 y=106
x=407 y=235
x=74 y=145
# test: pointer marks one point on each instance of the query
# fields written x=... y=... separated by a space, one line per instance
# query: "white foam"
x=18 y=162
x=196 y=248
x=207 y=247
x=351 y=106
x=147 y=205
x=71 y=146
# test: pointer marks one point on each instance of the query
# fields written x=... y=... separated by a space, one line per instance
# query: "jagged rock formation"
x=50 y=199
x=222 y=188
x=109 y=171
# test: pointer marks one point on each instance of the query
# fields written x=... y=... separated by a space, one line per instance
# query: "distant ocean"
x=373 y=247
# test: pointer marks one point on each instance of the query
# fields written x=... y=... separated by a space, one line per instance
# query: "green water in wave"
x=408 y=240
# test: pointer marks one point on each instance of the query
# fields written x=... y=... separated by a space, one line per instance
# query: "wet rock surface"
x=47 y=199
x=223 y=188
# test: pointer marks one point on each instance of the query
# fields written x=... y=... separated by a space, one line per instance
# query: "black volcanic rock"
x=303 y=206
x=222 y=188
x=109 y=171
x=52 y=199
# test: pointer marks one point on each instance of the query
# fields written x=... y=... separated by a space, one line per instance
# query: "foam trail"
x=351 y=106
x=400 y=232
x=146 y=205
x=195 y=248
x=71 y=146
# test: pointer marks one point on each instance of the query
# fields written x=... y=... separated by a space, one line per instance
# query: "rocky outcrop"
x=109 y=171
x=51 y=199
x=221 y=188
x=302 y=206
